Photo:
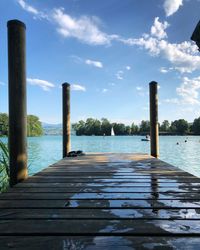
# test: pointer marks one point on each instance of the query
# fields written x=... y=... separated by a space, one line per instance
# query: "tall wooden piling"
x=17 y=101
x=66 y=118
x=154 y=133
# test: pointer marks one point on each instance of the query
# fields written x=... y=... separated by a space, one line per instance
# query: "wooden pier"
x=103 y=201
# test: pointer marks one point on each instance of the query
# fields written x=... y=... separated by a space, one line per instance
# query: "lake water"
x=46 y=150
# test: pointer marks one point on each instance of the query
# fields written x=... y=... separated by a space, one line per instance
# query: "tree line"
x=34 y=126
x=103 y=127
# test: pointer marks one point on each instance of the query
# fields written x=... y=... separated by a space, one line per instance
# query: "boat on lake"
x=147 y=138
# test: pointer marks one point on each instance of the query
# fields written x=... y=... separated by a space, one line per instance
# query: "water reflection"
x=154 y=191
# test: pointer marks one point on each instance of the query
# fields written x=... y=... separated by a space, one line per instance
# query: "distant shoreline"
x=160 y=134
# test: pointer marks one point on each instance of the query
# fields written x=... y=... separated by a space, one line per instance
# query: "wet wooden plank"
x=134 y=169
x=99 y=213
x=100 y=227
x=112 y=180
x=119 y=176
x=28 y=185
x=100 y=203
x=98 y=242
x=116 y=171
x=98 y=195
x=103 y=189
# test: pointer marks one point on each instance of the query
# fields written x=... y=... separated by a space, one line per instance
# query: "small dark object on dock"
x=72 y=154
x=75 y=153
x=79 y=152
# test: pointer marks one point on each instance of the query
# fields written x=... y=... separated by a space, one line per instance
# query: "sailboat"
x=112 y=132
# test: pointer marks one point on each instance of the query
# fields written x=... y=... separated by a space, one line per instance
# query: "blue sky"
x=108 y=51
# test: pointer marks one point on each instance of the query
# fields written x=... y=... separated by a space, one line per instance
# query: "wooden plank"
x=100 y=203
x=119 y=176
x=104 y=189
x=111 y=180
x=106 y=169
x=98 y=242
x=28 y=185
x=115 y=175
x=116 y=171
x=99 y=213
x=101 y=195
x=100 y=227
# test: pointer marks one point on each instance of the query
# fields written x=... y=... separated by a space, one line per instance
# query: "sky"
x=108 y=51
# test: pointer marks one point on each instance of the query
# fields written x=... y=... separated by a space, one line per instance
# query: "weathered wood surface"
x=103 y=201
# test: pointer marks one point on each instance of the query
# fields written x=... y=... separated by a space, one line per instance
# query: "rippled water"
x=46 y=150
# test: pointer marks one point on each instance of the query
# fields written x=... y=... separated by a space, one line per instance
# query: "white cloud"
x=149 y=43
x=172 y=100
x=172 y=6
x=163 y=70
x=84 y=28
x=76 y=59
x=77 y=87
x=45 y=85
x=138 y=88
x=28 y=7
x=120 y=74
x=2 y=83
x=158 y=29
x=142 y=91
x=128 y=67
x=183 y=56
x=94 y=63
x=37 y=13
x=189 y=90
x=104 y=90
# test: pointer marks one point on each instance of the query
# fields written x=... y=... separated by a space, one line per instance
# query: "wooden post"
x=153 y=87
x=17 y=101
x=66 y=118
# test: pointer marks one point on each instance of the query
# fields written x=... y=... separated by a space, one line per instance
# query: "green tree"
x=34 y=126
x=105 y=127
x=134 y=129
x=96 y=127
x=180 y=126
x=3 y=124
x=145 y=127
x=92 y=127
x=165 y=126
x=119 y=128
x=196 y=126
x=79 y=127
x=128 y=130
